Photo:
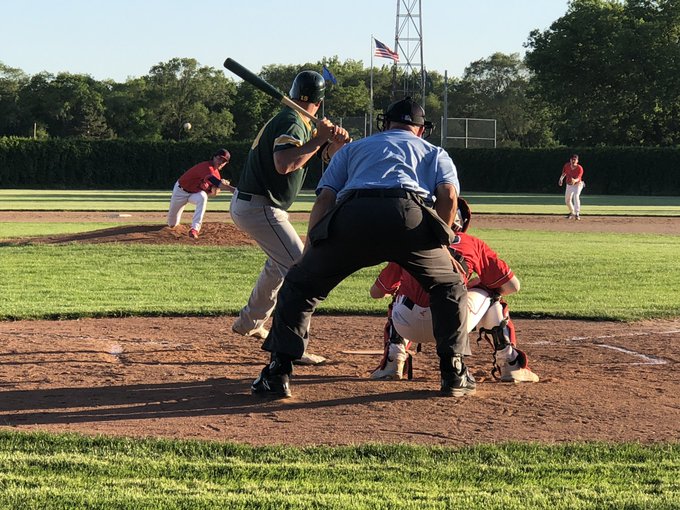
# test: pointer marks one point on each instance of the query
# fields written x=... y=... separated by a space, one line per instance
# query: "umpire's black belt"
x=391 y=193
x=382 y=193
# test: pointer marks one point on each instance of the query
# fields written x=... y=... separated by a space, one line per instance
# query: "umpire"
x=374 y=205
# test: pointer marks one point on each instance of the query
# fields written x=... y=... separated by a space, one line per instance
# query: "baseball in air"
x=187 y=126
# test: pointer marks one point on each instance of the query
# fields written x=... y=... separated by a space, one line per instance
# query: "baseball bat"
x=265 y=87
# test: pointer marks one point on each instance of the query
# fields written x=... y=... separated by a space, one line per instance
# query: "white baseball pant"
x=415 y=322
x=178 y=202
x=572 y=197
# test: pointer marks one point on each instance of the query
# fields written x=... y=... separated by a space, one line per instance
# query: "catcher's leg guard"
x=500 y=343
x=396 y=359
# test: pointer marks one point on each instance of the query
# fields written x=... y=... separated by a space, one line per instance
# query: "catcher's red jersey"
x=196 y=178
x=480 y=258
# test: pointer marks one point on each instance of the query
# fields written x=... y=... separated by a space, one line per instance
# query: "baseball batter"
x=411 y=320
x=194 y=186
x=271 y=180
x=572 y=172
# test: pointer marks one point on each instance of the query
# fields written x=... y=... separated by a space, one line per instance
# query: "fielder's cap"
x=223 y=154
x=406 y=111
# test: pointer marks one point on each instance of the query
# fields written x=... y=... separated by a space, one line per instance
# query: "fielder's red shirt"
x=196 y=178
x=492 y=271
x=572 y=173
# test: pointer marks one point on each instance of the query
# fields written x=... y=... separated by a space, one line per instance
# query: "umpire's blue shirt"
x=391 y=159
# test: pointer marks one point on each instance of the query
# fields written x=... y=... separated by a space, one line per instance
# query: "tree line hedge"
x=114 y=164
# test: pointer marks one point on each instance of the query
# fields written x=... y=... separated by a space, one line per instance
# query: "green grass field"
x=614 y=276
x=610 y=281
x=103 y=200
x=65 y=471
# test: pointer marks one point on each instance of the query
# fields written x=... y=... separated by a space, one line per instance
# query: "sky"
x=122 y=39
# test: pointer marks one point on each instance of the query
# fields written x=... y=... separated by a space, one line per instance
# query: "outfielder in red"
x=410 y=319
x=572 y=172
x=194 y=186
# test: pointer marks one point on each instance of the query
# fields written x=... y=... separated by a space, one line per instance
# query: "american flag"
x=381 y=50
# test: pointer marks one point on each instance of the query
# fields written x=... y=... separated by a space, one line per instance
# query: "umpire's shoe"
x=456 y=379
x=274 y=380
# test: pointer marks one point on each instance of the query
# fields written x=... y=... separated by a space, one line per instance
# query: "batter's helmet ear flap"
x=463 y=216
x=308 y=86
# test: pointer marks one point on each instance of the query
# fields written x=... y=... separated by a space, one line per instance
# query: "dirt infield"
x=189 y=377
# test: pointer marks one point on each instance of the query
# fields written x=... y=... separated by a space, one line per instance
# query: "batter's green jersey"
x=285 y=130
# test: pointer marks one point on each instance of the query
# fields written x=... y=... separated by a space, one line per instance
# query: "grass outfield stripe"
x=585 y=275
x=53 y=471
x=158 y=200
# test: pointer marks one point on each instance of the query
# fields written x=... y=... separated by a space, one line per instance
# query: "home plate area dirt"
x=188 y=377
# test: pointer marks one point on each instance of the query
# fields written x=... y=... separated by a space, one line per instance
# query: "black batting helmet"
x=463 y=216
x=308 y=86
x=406 y=111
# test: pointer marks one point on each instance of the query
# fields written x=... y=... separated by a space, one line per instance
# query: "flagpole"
x=370 y=112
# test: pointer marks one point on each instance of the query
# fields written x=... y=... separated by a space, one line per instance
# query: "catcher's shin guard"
x=499 y=338
x=396 y=359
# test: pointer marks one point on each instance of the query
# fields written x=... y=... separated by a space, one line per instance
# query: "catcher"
x=409 y=318
x=194 y=186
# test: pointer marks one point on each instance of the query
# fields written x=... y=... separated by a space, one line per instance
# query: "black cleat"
x=273 y=385
x=456 y=379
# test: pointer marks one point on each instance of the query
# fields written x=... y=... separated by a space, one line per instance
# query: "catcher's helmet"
x=308 y=86
x=463 y=216
x=223 y=154
x=406 y=111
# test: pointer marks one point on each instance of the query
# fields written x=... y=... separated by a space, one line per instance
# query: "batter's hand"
x=340 y=136
x=325 y=130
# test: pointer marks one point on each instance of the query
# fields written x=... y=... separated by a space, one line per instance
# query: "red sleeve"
x=493 y=271
x=389 y=278
x=206 y=183
x=481 y=259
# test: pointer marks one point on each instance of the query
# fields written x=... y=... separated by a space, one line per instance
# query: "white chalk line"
x=636 y=333
x=647 y=360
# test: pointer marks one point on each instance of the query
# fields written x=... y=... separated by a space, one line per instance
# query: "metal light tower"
x=408 y=42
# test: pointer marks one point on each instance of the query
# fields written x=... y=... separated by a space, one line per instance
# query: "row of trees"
x=605 y=73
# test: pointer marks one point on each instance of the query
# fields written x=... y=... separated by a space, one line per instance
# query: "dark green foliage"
x=118 y=164
x=607 y=170
x=105 y=164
